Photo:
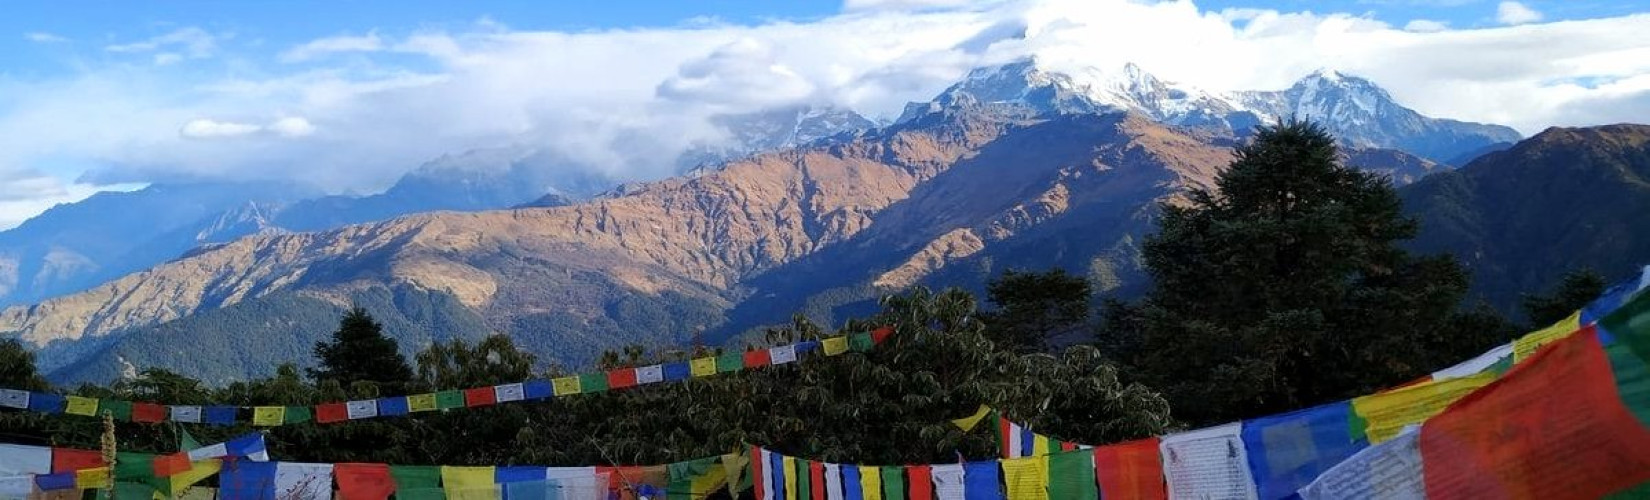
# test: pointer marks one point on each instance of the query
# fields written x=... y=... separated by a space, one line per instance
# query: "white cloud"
x=629 y=100
x=862 y=5
x=320 y=47
x=202 y=128
x=24 y=194
x=192 y=41
x=44 y=37
x=1516 y=13
x=1426 y=26
x=165 y=58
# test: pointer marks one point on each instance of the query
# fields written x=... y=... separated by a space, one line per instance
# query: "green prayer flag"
x=682 y=475
x=730 y=362
x=893 y=482
x=449 y=399
x=861 y=342
x=1071 y=475
x=133 y=490
x=120 y=410
x=420 y=494
x=1630 y=325
x=593 y=382
x=297 y=415
x=415 y=476
x=139 y=468
x=804 y=481
x=186 y=441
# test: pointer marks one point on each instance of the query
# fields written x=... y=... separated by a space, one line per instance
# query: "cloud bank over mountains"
x=355 y=110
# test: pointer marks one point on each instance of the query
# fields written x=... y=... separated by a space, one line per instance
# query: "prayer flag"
x=870 y=482
x=168 y=465
x=702 y=367
x=816 y=480
x=778 y=469
x=537 y=389
x=505 y=393
x=593 y=382
x=69 y=460
x=833 y=482
x=1207 y=463
x=303 y=481
x=250 y=446
x=1071 y=475
x=788 y=468
x=479 y=396
x=861 y=342
x=148 y=413
x=1385 y=414
x=757 y=358
x=1039 y=445
x=54 y=482
x=566 y=385
x=623 y=378
x=519 y=474
x=1391 y=469
x=678 y=370
x=1286 y=452
x=921 y=485
x=13 y=398
x=220 y=415
x=760 y=482
x=650 y=374
x=449 y=399
x=92 y=479
x=46 y=403
x=852 y=488
x=1631 y=324
x=268 y=416
x=967 y=423
x=296 y=415
x=393 y=406
x=881 y=333
x=835 y=345
x=83 y=406
x=455 y=480
x=421 y=402
x=1524 y=346
x=730 y=362
x=190 y=414
x=366 y=408
x=1553 y=427
x=782 y=354
x=247 y=480
x=1476 y=365
x=981 y=480
x=198 y=470
x=415 y=476
x=1009 y=435
x=893 y=483
x=948 y=481
x=331 y=412
x=117 y=409
x=1027 y=478
x=363 y=481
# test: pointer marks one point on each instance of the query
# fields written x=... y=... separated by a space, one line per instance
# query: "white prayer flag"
x=191 y=414
x=509 y=392
x=782 y=354
x=301 y=481
x=14 y=398
x=1208 y=463
x=650 y=374
x=366 y=408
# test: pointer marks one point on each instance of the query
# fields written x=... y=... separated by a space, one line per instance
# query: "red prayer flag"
x=148 y=413
x=816 y=473
x=363 y=481
x=1002 y=437
x=70 y=460
x=758 y=464
x=480 y=396
x=757 y=358
x=622 y=378
x=880 y=334
x=331 y=412
x=920 y=481
x=171 y=465
x=1132 y=469
x=1552 y=427
x=1068 y=446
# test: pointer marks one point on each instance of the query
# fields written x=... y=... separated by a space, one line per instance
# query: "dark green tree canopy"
x=1574 y=291
x=360 y=352
x=1036 y=309
x=1287 y=288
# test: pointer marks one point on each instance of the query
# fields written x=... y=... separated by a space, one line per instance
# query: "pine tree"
x=1036 y=309
x=359 y=351
x=1288 y=288
x=1574 y=291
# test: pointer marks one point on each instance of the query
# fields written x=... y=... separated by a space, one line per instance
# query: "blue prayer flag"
x=392 y=406
x=677 y=371
x=1286 y=452
x=220 y=415
x=537 y=389
x=46 y=403
x=519 y=474
x=850 y=483
x=246 y=480
x=776 y=462
x=59 y=481
x=980 y=480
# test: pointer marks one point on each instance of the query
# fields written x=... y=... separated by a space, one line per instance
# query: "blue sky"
x=348 y=95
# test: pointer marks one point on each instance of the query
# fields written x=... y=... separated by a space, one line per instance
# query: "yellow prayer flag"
x=967 y=423
x=835 y=345
x=1524 y=346
x=705 y=484
x=1026 y=478
x=421 y=402
x=1039 y=445
x=870 y=482
x=198 y=470
x=91 y=479
x=566 y=385
x=1386 y=414
x=703 y=367
x=268 y=416
x=733 y=468
x=467 y=482
x=790 y=477
x=81 y=406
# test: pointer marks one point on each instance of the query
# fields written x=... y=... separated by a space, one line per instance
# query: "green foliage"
x=17 y=368
x=359 y=351
x=890 y=404
x=1035 y=307
x=1288 y=289
x=1574 y=291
